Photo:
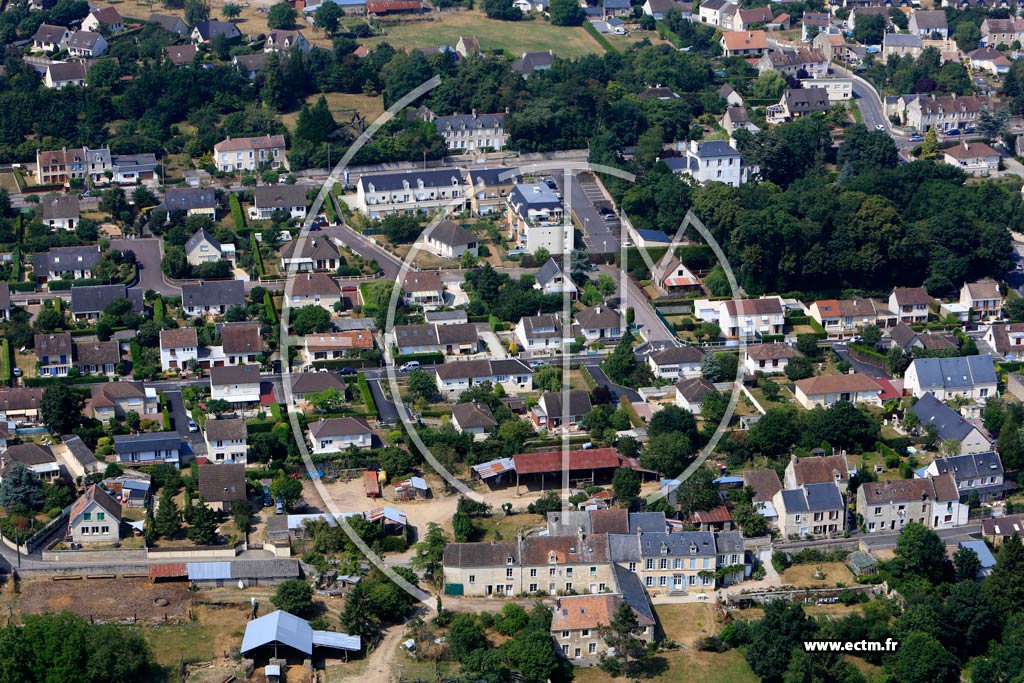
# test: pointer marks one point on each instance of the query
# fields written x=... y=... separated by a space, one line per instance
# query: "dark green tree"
x=922 y=659
x=287 y=489
x=311 y=319
x=328 y=17
x=920 y=552
x=775 y=433
x=429 y=553
x=623 y=634
x=61 y=408
x=20 y=487
x=698 y=492
x=466 y=635
x=294 y=596
x=281 y=16
x=316 y=124
x=626 y=486
x=967 y=564
x=1005 y=585
x=202 y=528
x=775 y=637
x=565 y=13
x=167 y=520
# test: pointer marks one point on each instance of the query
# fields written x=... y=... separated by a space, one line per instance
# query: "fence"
x=806 y=595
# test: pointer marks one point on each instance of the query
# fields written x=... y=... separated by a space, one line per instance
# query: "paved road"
x=367 y=248
x=644 y=316
x=870 y=370
x=599 y=236
x=148 y=253
x=387 y=411
x=602 y=379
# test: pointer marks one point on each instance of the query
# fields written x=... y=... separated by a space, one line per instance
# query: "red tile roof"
x=551 y=461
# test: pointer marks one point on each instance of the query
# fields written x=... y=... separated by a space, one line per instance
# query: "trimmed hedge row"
x=47 y=381
x=268 y=303
x=5 y=362
x=236 y=211
x=433 y=358
x=257 y=257
x=364 y=389
x=159 y=310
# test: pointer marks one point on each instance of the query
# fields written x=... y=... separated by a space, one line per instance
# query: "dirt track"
x=105 y=599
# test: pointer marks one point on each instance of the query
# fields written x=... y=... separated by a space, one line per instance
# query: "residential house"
x=60 y=212
x=54 y=354
x=132 y=169
x=309 y=253
x=61 y=75
x=336 y=345
x=535 y=219
x=901 y=45
x=679 y=561
x=676 y=362
x=450 y=240
x=192 y=201
x=902 y=336
x=105 y=18
x=250 y=65
x=835 y=48
x=61 y=166
x=690 y=393
x=468 y=47
x=615 y=8
x=795 y=63
x=658 y=8
x=5 y=301
x=473 y=132
x=423 y=288
x=946 y=112
x=86 y=44
x=222 y=485
x=1007 y=339
x=983 y=298
x=65 y=263
x=114 y=400
x=929 y=24
x=317 y=289
x=205 y=31
x=302 y=384
x=995 y=32
x=990 y=60
x=473 y=418
x=20 y=404
x=80 y=460
x=659 y=92
x=816 y=510
x=549 y=412
x=711 y=161
x=267 y=199
x=241 y=343
x=674 y=276
x=530 y=62
x=579 y=624
x=488 y=188
x=96 y=357
x=968 y=376
x=950 y=425
x=887 y=506
x=838 y=89
x=178 y=347
x=411 y=192
x=236 y=384
x=976 y=158
x=513 y=375
x=95 y=517
x=744 y=43
x=170 y=23
x=211 y=297
x=279 y=40
x=730 y=95
x=551 y=280
x=250 y=154
x=745 y=19
x=980 y=473
x=819 y=469
x=451 y=340
x=148 y=448
x=38 y=459
x=89 y=302
x=813 y=24
x=736 y=118
x=768 y=359
x=338 y=434
x=996 y=530
x=599 y=323
x=203 y=247
x=49 y=37
x=910 y=304
x=826 y=390
x=749 y=318
x=845 y=317
x=545 y=332
x=797 y=103
x=710 y=11
x=862 y=11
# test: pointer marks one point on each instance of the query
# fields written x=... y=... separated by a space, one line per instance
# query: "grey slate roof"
x=60 y=259
x=234 y=374
x=954 y=373
x=480 y=554
x=82 y=40
x=812 y=497
x=209 y=29
x=673 y=355
x=226 y=429
x=95 y=298
x=548 y=272
x=202 y=234
x=189 y=198
x=385 y=182
x=213 y=293
x=647 y=522
x=624 y=547
x=533 y=61
x=681 y=543
x=279 y=196
x=493 y=176
x=148 y=441
x=469 y=122
x=633 y=591
x=452 y=234
x=729 y=542
x=949 y=423
x=473 y=415
x=971 y=466
x=60 y=207
x=911 y=40
x=579 y=403
x=714 y=149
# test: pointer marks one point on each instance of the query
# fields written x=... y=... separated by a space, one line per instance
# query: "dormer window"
x=552 y=558
x=509 y=560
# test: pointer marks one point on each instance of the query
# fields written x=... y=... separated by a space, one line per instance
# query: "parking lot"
x=600 y=236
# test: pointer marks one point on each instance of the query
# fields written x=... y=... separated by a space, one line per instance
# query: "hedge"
x=64 y=285
x=339 y=363
x=22 y=286
x=328 y=206
x=596 y=35
x=257 y=257
x=47 y=381
x=364 y=389
x=275 y=412
x=5 y=362
x=236 y=212
x=16 y=262
x=268 y=303
x=433 y=358
x=867 y=351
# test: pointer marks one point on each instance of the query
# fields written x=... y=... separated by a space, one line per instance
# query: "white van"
x=411 y=365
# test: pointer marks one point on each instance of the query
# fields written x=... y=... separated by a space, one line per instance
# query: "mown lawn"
x=512 y=37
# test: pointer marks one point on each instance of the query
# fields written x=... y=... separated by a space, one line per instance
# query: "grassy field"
x=512 y=37
x=342 y=106
x=499 y=527
x=802 y=575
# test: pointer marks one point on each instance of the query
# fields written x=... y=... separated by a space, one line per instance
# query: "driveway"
x=599 y=236
x=387 y=411
x=180 y=420
x=594 y=367
x=367 y=248
x=870 y=370
x=148 y=253
x=644 y=317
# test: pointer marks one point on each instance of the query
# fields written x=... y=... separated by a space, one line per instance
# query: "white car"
x=193 y=426
x=411 y=365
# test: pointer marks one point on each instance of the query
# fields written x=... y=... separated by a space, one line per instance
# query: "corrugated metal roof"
x=168 y=571
x=264 y=569
x=278 y=627
x=494 y=467
x=133 y=485
x=339 y=641
x=209 y=571
x=419 y=483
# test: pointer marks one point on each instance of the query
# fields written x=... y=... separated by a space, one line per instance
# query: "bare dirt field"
x=803 y=575
x=105 y=599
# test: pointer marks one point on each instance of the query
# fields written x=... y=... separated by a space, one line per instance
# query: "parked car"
x=538 y=364
x=608 y=217
x=604 y=210
x=193 y=426
x=879 y=126
x=348 y=371
x=411 y=365
x=953 y=131
x=278 y=507
x=916 y=137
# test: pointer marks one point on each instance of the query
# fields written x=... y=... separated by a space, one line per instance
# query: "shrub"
x=236 y=212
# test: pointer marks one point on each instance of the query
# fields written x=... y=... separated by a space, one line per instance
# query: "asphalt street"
x=870 y=370
x=599 y=236
x=148 y=253
x=602 y=379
